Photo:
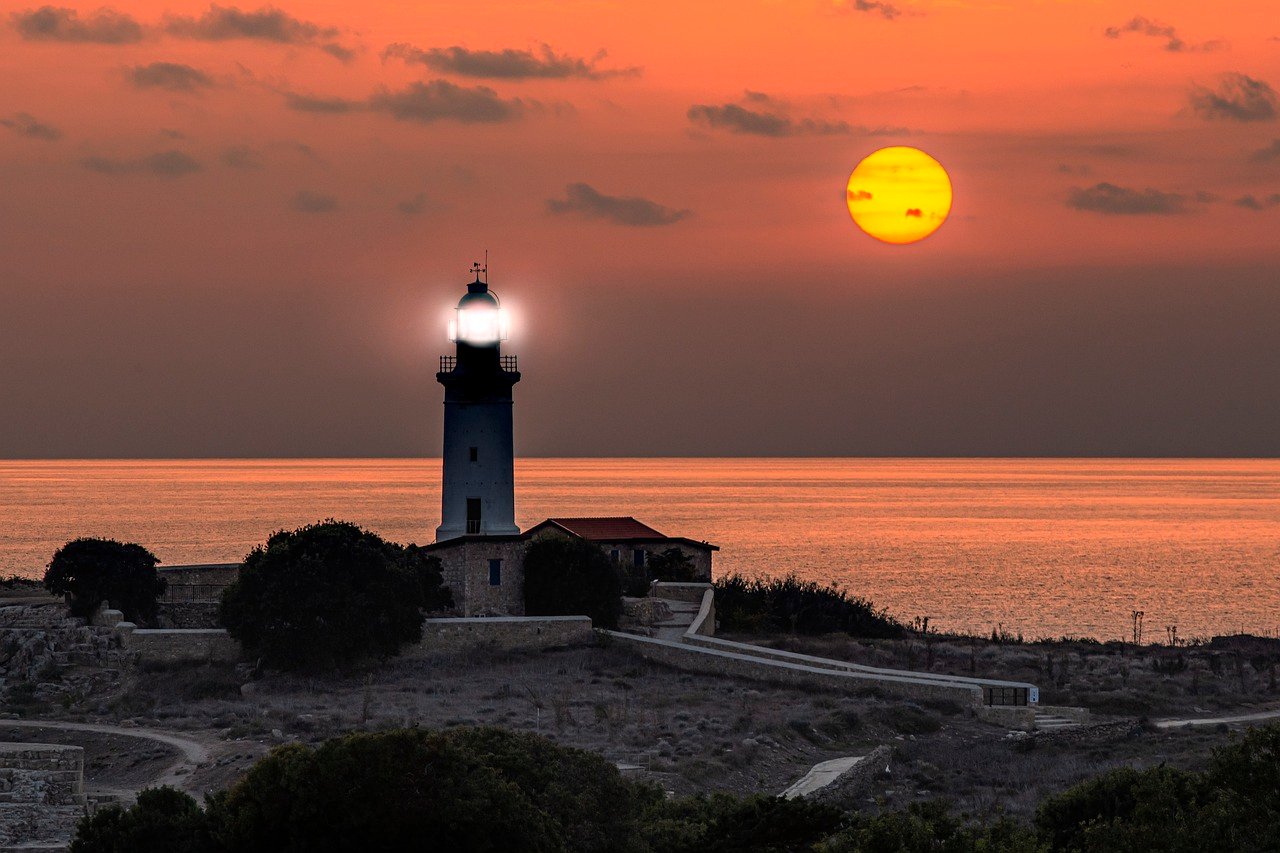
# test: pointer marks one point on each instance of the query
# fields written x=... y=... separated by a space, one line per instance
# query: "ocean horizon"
x=1045 y=547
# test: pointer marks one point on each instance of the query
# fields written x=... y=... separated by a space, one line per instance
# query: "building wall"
x=700 y=558
x=465 y=567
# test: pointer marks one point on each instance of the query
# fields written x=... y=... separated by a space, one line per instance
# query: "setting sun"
x=899 y=195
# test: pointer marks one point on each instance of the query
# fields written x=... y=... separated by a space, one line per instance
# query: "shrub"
x=329 y=594
x=568 y=576
x=671 y=565
x=163 y=820
x=928 y=827
x=91 y=571
x=721 y=823
x=798 y=607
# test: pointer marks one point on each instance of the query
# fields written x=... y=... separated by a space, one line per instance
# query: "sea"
x=1037 y=547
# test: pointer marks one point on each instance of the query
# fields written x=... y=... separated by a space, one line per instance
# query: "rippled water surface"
x=1046 y=547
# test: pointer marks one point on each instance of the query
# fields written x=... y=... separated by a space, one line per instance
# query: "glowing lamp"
x=479 y=320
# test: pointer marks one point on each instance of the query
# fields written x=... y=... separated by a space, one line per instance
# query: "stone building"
x=486 y=573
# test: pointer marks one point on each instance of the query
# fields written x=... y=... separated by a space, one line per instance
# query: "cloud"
x=241 y=157
x=1173 y=42
x=1250 y=202
x=306 y=201
x=738 y=119
x=508 y=64
x=1268 y=154
x=1237 y=98
x=413 y=206
x=172 y=76
x=50 y=23
x=1122 y=201
x=165 y=164
x=25 y=124
x=224 y=23
x=884 y=10
x=440 y=99
x=585 y=201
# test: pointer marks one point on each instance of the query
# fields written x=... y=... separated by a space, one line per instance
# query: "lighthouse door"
x=473 y=515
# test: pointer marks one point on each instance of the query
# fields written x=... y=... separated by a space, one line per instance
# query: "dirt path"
x=193 y=753
x=1215 y=721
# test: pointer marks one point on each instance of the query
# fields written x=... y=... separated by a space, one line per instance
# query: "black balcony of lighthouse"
x=478 y=489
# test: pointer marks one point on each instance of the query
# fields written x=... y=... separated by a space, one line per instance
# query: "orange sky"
x=167 y=206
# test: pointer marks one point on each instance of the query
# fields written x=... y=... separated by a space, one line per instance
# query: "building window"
x=638 y=556
x=615 y=555
x=495 y=573
x=475 y=454
x=473 y=515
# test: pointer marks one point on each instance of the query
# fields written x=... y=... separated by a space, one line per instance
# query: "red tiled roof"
x=607 y=528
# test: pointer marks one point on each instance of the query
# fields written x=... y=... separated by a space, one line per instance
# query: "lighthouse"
x=478 y=494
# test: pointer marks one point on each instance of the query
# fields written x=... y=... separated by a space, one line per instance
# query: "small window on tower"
x=475 y=454
x=495 y=573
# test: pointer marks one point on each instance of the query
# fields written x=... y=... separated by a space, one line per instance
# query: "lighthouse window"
x=475 y=454
x=495 y=573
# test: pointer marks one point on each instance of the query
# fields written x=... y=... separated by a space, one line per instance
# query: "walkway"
x=820 y=776
x=1218 y=721
x=193 y=753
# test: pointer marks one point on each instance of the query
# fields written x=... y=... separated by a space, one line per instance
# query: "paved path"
x=1216 y=721
x=192 y=752
x=820 y=776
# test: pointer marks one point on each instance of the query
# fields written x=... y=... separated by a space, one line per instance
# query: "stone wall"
x=679 y=591
x=504 y=632
x=849 y=789
x=714 y=662
x=166 y=645
x=704 y=623
x=199 y=582
x=41 y=794
x=189 y=614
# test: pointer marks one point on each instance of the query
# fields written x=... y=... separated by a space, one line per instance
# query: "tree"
x=568 y=576
x=163 y=820
x=91 y=571
x=329 y=594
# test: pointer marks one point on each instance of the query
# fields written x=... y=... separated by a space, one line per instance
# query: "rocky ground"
x=688 y=733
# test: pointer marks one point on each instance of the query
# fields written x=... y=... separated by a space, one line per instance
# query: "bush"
x=568 y=576
x=928 y=827
x=329 y=594
x=464 y=789
x=91 y=571
x=798 y=607
x=163 y=820
x=722 y=823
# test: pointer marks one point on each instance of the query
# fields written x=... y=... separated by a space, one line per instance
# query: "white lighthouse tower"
x=478 y=497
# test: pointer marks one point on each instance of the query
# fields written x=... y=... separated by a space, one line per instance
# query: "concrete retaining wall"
x=504 y=632
x=41 y=794
x=704 y=623
x=695 y=658
x=679 y=591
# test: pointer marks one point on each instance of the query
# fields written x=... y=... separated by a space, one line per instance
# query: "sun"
x=899 y=195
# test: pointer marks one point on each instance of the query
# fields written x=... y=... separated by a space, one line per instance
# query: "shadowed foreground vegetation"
x=487 y=789
x=793 y=606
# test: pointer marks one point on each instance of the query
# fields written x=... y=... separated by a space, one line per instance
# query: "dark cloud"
x=738 y=119
x=165 y=164
x=1251 y=202
x=1155 y=29
x=224 y=23
x=413 y=206
x=883 y=9
x=312 y=104
x=172 y=76
x=51 y=23
x=306 y=201
x=241 y=157
x=1237 y=98
x=1268 y=154
x=585 y=201
x=440 y=99
x=25 y=124
x=508 y=64
x=1122 y=201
